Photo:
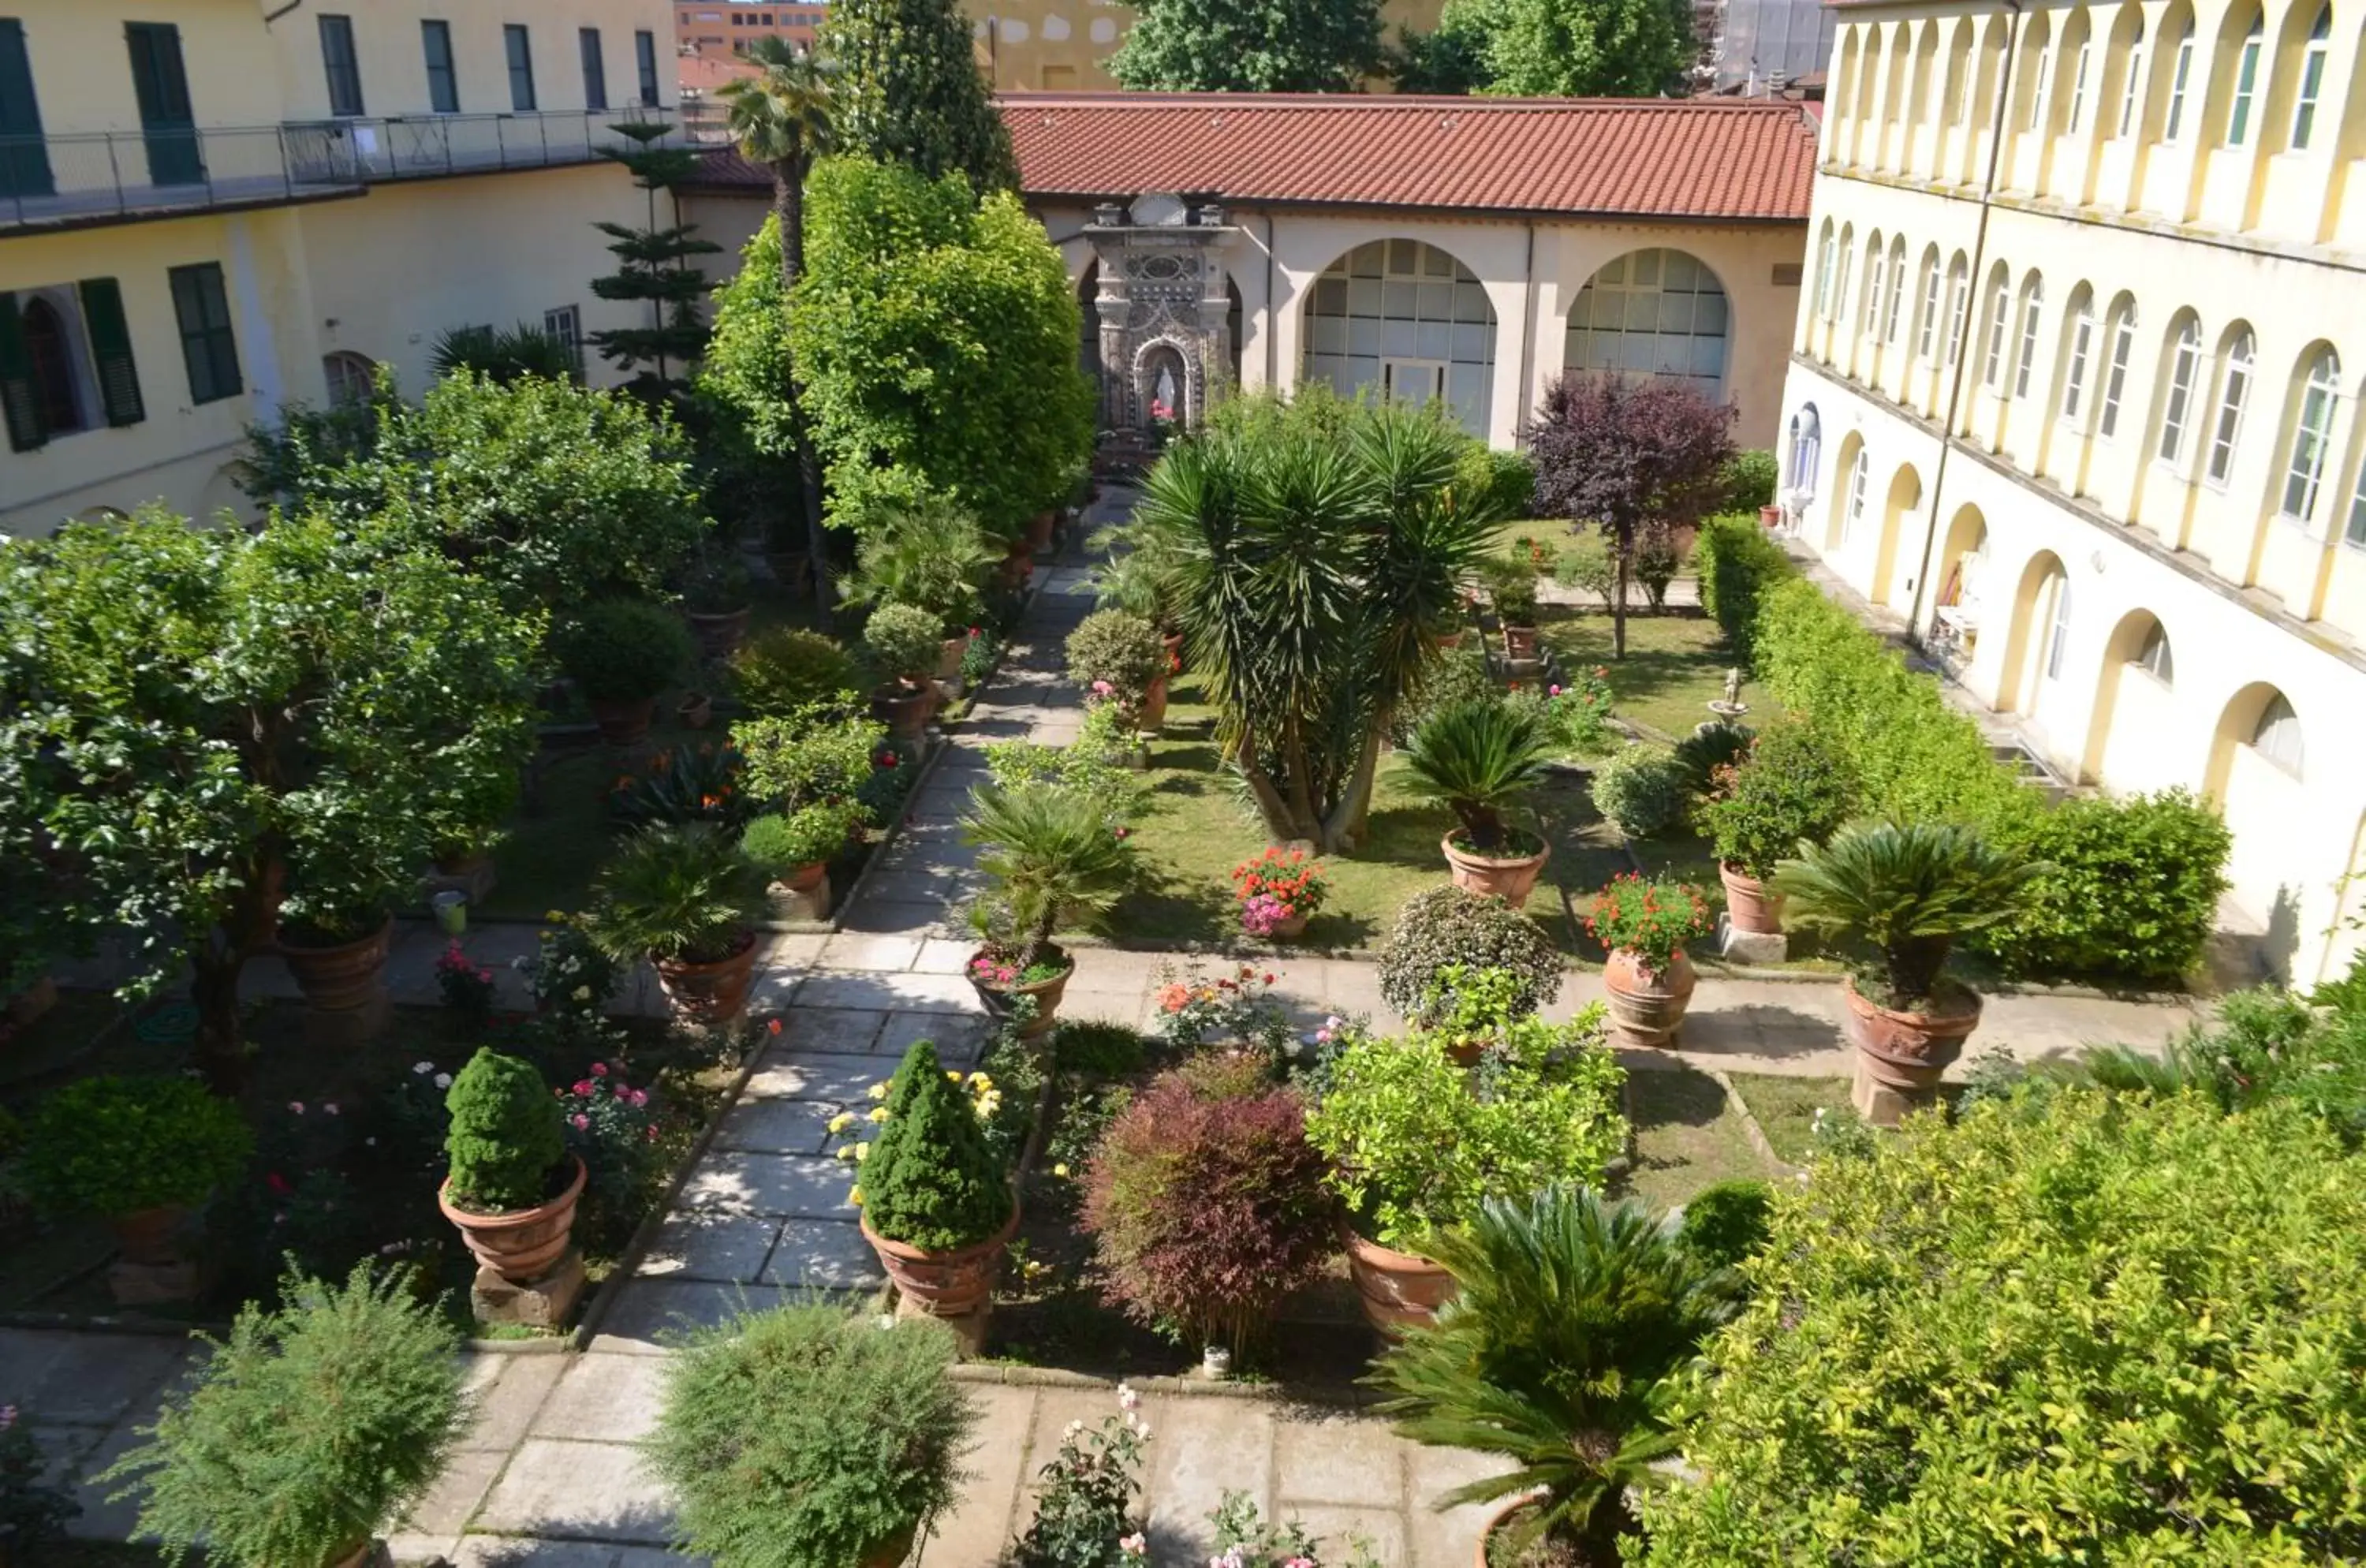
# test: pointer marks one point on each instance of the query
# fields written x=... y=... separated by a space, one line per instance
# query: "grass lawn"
x=1675 y=663
x=1785 y=1108
x=1688 y=1136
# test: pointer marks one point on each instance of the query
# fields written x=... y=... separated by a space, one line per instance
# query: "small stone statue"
x=1733 y=686
x=1731 y=705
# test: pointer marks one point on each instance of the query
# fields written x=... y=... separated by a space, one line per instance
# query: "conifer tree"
x=909 y=91
x=653 y=265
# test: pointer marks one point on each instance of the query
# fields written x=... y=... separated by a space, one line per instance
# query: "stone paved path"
x=549 y=1475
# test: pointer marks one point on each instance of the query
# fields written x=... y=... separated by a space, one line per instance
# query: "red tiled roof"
x=1618 y=157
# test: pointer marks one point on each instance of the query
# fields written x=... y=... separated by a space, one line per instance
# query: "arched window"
x=1408 y=322
x=1889 y=312
x=2276 y=737
x=2057 y=638
x=2132 y=88
x=1999 y=312
x=2032 y=307
x=2076 y=352
x=1860 y=481
x=2232 y=394
x=2181 y=75
x=49 y=352
x=2247 y=86
x=2313 y=59
x=2115 y=375
x=2312 y=433
x=1926 y=331
x=2040 y=86
x=2079 y=66
x=1959 y=301
x=1806 y=449
x=2152 y=657
x=350 y=377
x=2184 y=365
x=1877 y=273
x=1655 y=313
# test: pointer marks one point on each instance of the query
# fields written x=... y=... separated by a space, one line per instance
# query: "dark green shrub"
x=623 y=650
x=116 y=1145
x=1511 y=589
x=1446 y=926
x=1727 y=1221
x=777 y=844
x=308 y=1431
x=1098 y=1049
x=1658 y=557
x=1950 y=1342
x=1502 y=480
x=34 y=1509
x=2133 y=893
x=1747 y=480
x=506 y=1134
x=930 y=1180
x=1790 y=787
x=1640 y=790
x=902 y=642
x=1118 y=649
x=1737 y=564
x=1456 y=675
x=788 y=667
x=808 y=1436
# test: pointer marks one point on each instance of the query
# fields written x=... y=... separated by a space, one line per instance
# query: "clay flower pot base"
x=1748 y=904
x=1047 y=994
x=1901 y=1056
x=1510 y=878
x=953 y=1284
x=523 y=1245
x=341 y=976
x=1647 y=1007
x=710 y=993
x=1398 y=1289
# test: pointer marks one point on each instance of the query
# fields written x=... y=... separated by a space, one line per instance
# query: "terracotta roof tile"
x=1626 y=157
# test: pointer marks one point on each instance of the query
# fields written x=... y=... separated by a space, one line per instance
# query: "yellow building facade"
x=210 y=208
x=1062 y=46
x=2076 y=393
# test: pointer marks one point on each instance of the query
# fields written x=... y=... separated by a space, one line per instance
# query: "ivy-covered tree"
x=1617 y=48
x=1250 y=46
x=652 y=268
x=205 y=732
x=909 y=91
x=1620 y=453
x=935 y=337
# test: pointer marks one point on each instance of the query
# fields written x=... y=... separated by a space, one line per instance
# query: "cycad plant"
x=1050 y=853
x=1907 y=890
x=1572 y=1316
x=679 y=891
x=1477 y=757
x=929 y=553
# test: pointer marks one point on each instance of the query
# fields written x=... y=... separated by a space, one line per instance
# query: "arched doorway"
x=1803 y=454
x=1905 y=495
x=1402 y=320
x=2132 y=735
x=2036 y=647
x=1851 y=480
x=2258 y=756
x=1659 y=313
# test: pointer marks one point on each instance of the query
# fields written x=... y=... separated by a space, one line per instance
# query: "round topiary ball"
x=1448 y=926
x=506 y=1134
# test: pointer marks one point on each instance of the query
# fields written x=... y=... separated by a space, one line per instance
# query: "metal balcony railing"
x=124 y=175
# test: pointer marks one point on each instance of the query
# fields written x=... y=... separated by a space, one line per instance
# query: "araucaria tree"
x=652 y=268
x=1249 y=46
x=1319 y=552
x=935 y=336
x=204 y=733
x=1613 y=48
x=1621 y=454
x=910 y=92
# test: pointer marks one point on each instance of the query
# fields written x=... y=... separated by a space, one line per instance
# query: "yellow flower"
x=861 y=1153
x=841 y=1121
x=1060 y=1169
x=877 y=1091
x=979 y=1080
x=953 y=1073
x=555 y=917
x=854 y=1194
x=877 y=1113
x=846 y=1151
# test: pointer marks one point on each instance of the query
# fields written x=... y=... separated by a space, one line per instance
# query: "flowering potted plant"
x=902 y=647
x=1480 y=756
x=1279 y=891
x=1512 y=586
x=684 y=897
x=937 y=1203
x=1122 y=651
x=513 y=1187
x=1049 y=850
x=1577 y=712
x=1645 y=925
x=1787 y=789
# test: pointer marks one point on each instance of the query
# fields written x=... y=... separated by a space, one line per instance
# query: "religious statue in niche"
x=1163 y=310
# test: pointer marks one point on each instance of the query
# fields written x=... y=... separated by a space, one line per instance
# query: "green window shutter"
x=21 y=400
x=110 y=346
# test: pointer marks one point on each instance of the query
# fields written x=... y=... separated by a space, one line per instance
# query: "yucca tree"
x=1319 y=552
x=783 y=119
x=1906 y=889
x=1570 y=1317
x=1050 y=853
x=1479 y=757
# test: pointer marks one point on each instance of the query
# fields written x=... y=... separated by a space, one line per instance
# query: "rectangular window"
x=110 y=350
x=595 y=69
x=645 y=56
x=2312 y=84
x=2060 y=640
x=521 y=56
x=167 y=121
x=2230 y=419
x=2355 y=532
x=209 y=343
x=442 y=80
x=2174 y=121
x=2037 y=88
x=2000 y=306
x=2030 y=312
x=2247 y=84
x=1927 y=329
x=2131 y=96
x=2179 y=405
x=2074 y=376
x=565 y=324
x=23 y=156
x=344 y=70
x=2115 y=380
x=2079 y=87
x=1959 y=300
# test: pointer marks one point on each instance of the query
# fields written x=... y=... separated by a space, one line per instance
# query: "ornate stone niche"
x=1163 y=308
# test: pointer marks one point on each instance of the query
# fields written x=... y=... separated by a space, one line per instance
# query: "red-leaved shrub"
x=1206 y=1211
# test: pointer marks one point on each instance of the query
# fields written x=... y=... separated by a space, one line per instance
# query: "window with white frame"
x=2276 y=737
x=2181 y=75
x=1959 y=303
x=2079 y=64
x=1658 y=313
x=2038 y=84
x=2313 y=61
x=2233 y=393
x=2115 y=375
x=2131 y=83
x=2032 y=308
x=1926 y=329
x=2074 y=370
x=2184 y=365
x=565 y=324
x=2247 y=86
x=1890 y=312
x=2152 y=657
x=1876 y=270
x=2059 y=637
x=2312 y=433
x=1824 y=277
x=2000 y=326
x=1860 y=480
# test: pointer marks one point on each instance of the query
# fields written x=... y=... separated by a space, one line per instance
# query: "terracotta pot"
x=1510 y=880
x=950 y=657
x=521 y=1245
x=1647 y=1008
x=1047 y=994
x=789 y=567
x=1496 y=1522
x=1173 y=642
x=805 y=878
x=695 y=711
x=1039 y=532
x=1017 y=561
x=891 y=1552
x=1152 y=717
x=1451 y=639
x=149 y=1236
x=904 y=710
x=1771 y=515
x=1519 y=642
x=624 y=724
x=709 y=993
x=1293 y=926
x=1398 y=1289
x=944 y=1284
x=343 y=976
x=1748 y=904
x=27 y=1006
x=718 y=635
x=1906 y=1051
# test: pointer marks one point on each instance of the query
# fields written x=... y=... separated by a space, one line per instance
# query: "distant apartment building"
x=206 y=218
x=1061 y=46
x=709 y=28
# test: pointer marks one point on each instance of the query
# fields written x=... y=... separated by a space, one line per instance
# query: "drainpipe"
x=1527 y=340
x=1272 y=314
x=1971 y=316
x=271 y=17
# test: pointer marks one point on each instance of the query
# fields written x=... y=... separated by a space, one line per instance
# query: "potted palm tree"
x=902 y=645
x=1787 y=788
x=683 y=896
x=1050 y=854
x=1479 y=756
x=930 y=554
x=1568 y=1320
x=1906 y=890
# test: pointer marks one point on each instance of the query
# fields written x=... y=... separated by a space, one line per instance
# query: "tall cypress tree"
x=653 y=265
x=909 y=91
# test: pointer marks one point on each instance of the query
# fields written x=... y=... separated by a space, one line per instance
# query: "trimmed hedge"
x=1738 y=563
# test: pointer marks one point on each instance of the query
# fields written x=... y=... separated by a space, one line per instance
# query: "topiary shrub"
x=306 y=1432
x=1640 y=791
x=902 y=642
x=1788 y=788
x=788 y=667
x=1206 y=1209
x=930 y=1180
x=809 y=756
x=778 y=845
x=1726 y=1221
x=1444 y=927
x=1737 y=564
x=2154 y=1310
x=116 y=1145
x=506 y=1134
x=623 y=650
x=808 y=1436
x=1118 y=649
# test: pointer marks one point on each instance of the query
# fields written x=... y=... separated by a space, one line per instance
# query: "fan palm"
x=675 y=891
x=929 y=553
x=1050 y=851
x=1906 y=889
x=1478 y=756
x=1570 y=1317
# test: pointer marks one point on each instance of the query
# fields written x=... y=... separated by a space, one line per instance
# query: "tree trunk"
x=789 y=201
x=1275 y=811
x=1349 y=822
x=222 y=1053
x=1625 y=546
